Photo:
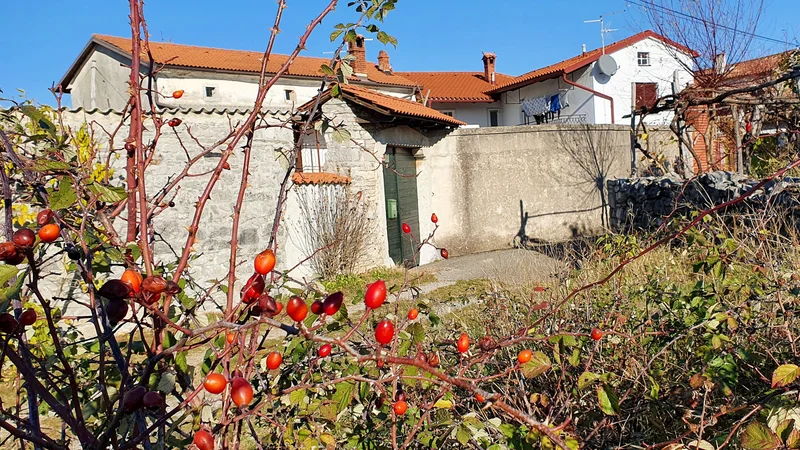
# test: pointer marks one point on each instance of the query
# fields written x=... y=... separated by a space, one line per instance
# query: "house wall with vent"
x=580 y=110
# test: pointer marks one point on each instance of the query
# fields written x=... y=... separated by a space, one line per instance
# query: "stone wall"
x=644 y=203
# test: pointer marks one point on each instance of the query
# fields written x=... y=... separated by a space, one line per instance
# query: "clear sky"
x=42 y=38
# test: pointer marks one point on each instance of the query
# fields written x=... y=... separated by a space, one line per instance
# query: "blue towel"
x=555 y=103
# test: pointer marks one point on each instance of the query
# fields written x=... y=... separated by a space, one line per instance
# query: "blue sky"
x=43 y=37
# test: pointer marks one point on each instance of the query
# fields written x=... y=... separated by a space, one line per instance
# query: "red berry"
x=115 y=290
x=24 y=238
x=400 y=407
x=445 y=254
x=174 y=122
x=596 y=334
x=116 y=310
x=177 y=94
x=230 y=337
x=49 y=232
x=215 y=383
x=316 y=307
x=413 y=314
x=8 y=250
x=133 y=279
x=130 y=146
x=375 y=295
x=226 y=166
x=406 y=228
x=203 y=440
x=241 y=392
x=264 y=262
x=28 y=317
x=524 y=356
x=332 y=303
x=384 y=331
x=463 y=343
x=44 y=217
x=152 y=400
x=253 y=288
x=297 y=309
x=154 y=284
x=325 y=350
x=479 y=398
x=132 y=400
x=434 y=219
x=274 y=360
x=8 y=324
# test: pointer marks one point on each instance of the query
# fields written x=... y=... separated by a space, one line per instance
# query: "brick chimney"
x=359 y=51
x=383 y=61
x=488 y=67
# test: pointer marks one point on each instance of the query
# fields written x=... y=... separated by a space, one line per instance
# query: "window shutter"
x=646 y=95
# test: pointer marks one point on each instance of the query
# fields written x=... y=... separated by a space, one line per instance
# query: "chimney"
x=488 y=67
x=720 y=63
x=359 y=51
x=383 y=61
x=583 y=48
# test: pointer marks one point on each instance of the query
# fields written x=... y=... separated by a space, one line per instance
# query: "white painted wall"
x=231 y=90
x=471 y=113
x=662 y=67
x=580 y=101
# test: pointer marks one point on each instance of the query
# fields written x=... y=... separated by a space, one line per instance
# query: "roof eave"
x=524 y=83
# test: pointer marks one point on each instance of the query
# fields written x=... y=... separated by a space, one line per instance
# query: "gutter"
x=599 y=94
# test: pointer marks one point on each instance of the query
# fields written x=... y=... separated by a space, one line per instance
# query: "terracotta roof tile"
x=387 y=104
x=572 y=64
x=456 y=86
x=758 y=67
x=241 y=60
x=317 y=178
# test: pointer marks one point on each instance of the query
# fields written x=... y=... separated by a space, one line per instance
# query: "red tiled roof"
x=454 y=87
x=240 y=60
x=758 y=67
x=572 y=64
x=386 y=104
x=316 y=178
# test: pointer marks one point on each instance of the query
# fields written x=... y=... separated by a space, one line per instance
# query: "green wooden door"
x=401 y=204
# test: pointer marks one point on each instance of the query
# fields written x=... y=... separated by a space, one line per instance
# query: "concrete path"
x=507 y=267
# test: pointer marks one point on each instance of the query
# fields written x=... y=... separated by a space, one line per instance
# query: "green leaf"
x=372 y=28
x=326 y=69
x=757 y=436
x=296 y=397
x=39 y=117
x=108 y=194
x=167 y=383
x=785 y=375
x=463 y=435
x=7 y=272
x=336 y=91
x=346 y=71
x=64 y=197
x=538 y=365
x=343 y=395
x=341 y=135
x=586 y=379
x=335 y=35
x=10 y=293
x=387 y=39
x=784 y=429
x=443 y=404
x=48 y=165
x=609 y=402
x=351 y=36
x=417 y=333
x=793 y=441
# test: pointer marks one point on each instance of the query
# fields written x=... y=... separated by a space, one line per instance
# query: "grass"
x=354 y=285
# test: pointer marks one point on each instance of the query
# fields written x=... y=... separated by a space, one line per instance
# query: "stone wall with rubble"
x=644 y=203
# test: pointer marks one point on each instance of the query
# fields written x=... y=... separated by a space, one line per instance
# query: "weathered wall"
x=496 y=187
x=212 y=248
x=476 y=114
x=644 y=203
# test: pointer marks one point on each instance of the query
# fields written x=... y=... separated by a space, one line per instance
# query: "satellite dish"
x=607 y=66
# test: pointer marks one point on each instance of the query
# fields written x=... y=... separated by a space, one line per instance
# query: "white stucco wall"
x=109 y=73
x=580 y=101
x=471 y=113
x=231 y=90
x=663 y=64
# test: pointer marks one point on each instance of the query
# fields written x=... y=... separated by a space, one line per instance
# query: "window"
x=450 y=113
x=288 y=94
x=643 y=58
x=494 y=117
x=646 y=95
x=210 y=91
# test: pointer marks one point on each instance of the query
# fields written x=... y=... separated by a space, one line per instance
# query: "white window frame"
x=489 y=117
x=292 y=97
x=213 y=91
x=643 y=59
x=449 y=112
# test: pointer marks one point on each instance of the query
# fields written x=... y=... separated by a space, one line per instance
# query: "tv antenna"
x=603 y=29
